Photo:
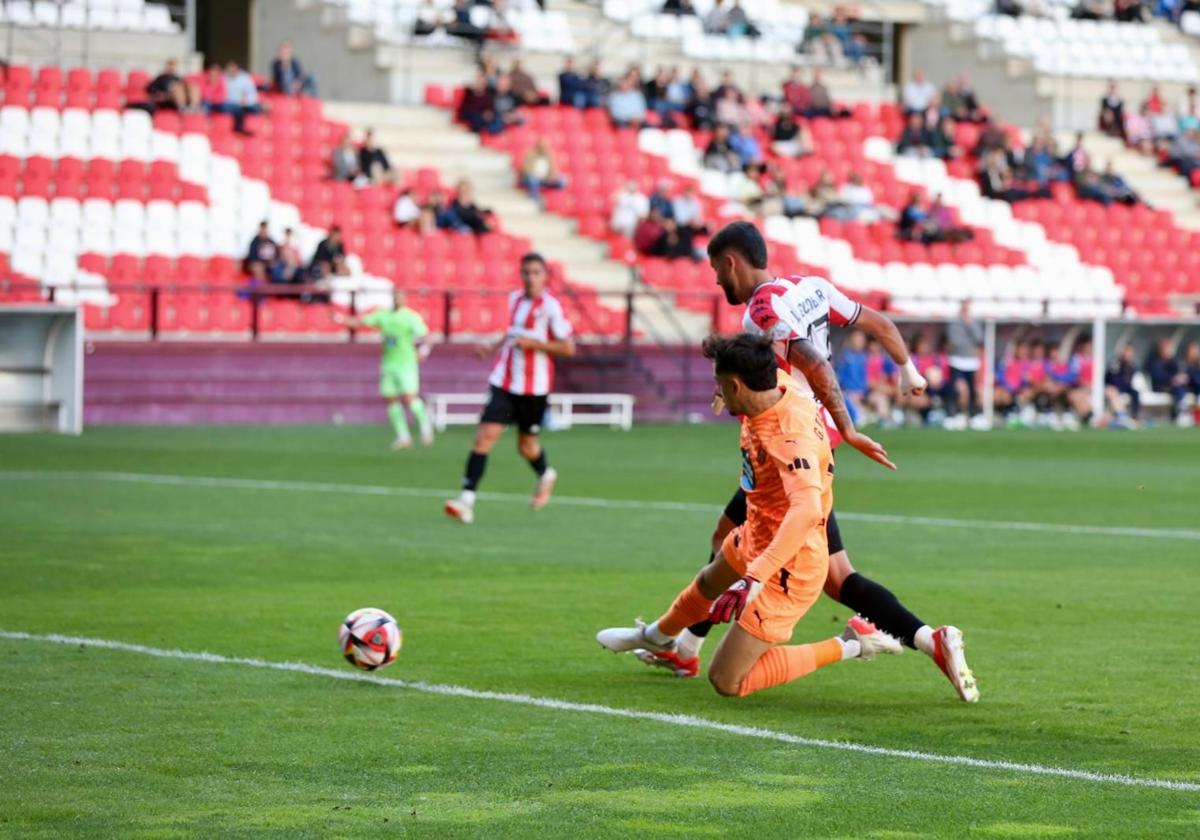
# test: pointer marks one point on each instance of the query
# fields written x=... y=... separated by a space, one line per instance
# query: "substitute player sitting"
x=405 y=341
x=538 y=332
x=771 y=569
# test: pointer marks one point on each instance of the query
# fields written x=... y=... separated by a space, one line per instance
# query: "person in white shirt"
x=406 y=211
x=859 y=199
x=918 y=93
x=629 y=208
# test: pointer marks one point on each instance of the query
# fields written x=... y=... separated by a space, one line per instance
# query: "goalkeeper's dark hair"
x=742 y=237
x=751 y=358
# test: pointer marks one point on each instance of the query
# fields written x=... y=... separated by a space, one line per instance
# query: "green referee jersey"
x=400 y=329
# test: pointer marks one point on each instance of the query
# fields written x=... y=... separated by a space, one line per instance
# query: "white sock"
x=468 y=497
x=688 y=644
x=923 y=640
x=851 y=648
x=653 y=634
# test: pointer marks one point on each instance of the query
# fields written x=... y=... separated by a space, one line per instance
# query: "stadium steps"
x=1160 y=187
x=421 y=136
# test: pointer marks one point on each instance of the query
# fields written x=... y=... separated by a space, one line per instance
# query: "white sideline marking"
x=582 y=501
x=612 y=711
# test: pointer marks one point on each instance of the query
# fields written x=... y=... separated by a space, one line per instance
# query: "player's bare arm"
x=349 y=321
x=884 y=330
x=555 y=347
x=820 y=375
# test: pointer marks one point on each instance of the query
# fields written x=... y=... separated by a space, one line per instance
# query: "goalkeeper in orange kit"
x=771 y=569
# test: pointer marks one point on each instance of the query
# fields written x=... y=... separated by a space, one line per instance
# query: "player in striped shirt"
x=520 y=383
x=795 y=313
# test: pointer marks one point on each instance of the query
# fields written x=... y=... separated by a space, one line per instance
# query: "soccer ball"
x=369 y=639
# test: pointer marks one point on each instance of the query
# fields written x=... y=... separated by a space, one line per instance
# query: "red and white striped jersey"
x=788 y=308
x=529 y=372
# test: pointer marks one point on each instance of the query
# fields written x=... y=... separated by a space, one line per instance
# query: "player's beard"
x=730 y=296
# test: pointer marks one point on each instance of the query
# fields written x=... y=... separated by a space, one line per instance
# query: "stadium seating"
x=781 y=28
x=1025 y=259
x=392 y=21
x=100 y=204
x=106 y=15
x=1080 y=48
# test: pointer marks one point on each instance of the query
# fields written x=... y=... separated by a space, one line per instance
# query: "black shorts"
x=735 y=512
x=508 y=409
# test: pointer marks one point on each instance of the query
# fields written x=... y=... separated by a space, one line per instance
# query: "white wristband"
x=909 y=371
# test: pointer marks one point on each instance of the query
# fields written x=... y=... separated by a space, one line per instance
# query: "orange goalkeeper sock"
x=781 y=665
x=689 y=607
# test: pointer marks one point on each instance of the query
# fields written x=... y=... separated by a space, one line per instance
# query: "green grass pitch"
x=1084 y=642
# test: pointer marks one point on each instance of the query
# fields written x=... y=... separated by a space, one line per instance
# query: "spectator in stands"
x=1039 y=162
x=373 y=162
x=746 y=191
x=1118 y=386
x=789 y=138
x=330 y=257
x=719 y=154
x=996 y=180
x=629 y=208
x=796 y=93
x=241 y=95
x=506 y=102
x=913 y=225
x=820 y=43
x=822 y=197
x=675 y=242
x=406 y=212
x=444 y=216
x=571 y=88
x=170 y=92
x=945 y=225
x=648 y=233
x=820 y=101
x=915 y=140
x=1112 y=112
x=212 y=90
x=261 y=255
x=431 y=18
x=1117 y=187
x=524 y=88
x=852 y=44
x=627 y=104
x=991 y=138
x=851 y=372
x=964 y=337
x=1183 y=153
x=1167 y=376
x=1187 y=114
x=540 y=172
x=345 y=160
x=1129 y=11
x=918 y=93
x=700 y=109
x=738 y=23
x=596 y=85
x=478 y=108
x=288 y=76
x=779 y=198
x=942 y=144
x=678 y=7
x=660 y=199
x=655 y=92
x=959 y=101
x=1089 y=10
x=859 y=200
x=688 y=213
x=462 y=26
x=289 y=267
x=475 y=218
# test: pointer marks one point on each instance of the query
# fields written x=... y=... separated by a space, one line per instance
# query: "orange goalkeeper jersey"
x=787 y=473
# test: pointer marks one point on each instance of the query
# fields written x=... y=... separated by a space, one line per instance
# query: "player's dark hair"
x=750 y=358
x=742 y=237
x=534 y=257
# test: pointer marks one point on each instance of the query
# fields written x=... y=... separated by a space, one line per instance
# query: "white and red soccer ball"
x=370 y=639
